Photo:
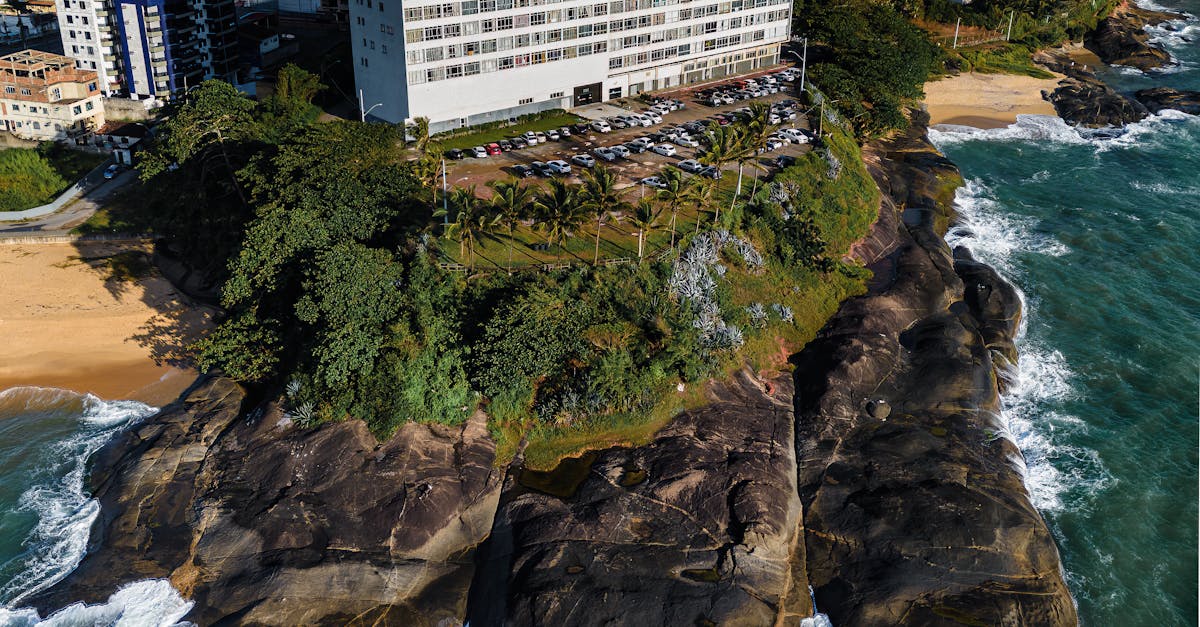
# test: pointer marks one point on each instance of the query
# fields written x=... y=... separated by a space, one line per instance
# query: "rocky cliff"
x=915 y=512
x=258 y=524
x=1121 y=38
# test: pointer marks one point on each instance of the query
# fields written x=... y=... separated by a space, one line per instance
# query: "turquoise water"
x=1103 y=238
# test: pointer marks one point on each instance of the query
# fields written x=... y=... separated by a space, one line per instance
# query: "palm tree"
x=724 y=145
x=419 y=129
x=755 y=132
x=676 y=193
x=511 y=201
x=558 y=210
x=472 y=221
x=601 y=198
x=645 y=220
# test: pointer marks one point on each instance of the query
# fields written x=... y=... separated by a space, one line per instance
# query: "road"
x=74 y=214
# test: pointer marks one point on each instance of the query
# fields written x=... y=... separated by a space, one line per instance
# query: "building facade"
x=45 y=96
x=151 y=48
x=473 y=61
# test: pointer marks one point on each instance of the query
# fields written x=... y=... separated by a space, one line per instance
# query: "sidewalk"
x=71 y=208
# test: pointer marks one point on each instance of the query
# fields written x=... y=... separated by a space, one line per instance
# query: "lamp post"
x=803 y=63
x=363 y=113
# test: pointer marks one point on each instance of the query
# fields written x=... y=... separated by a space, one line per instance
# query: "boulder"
x=1121 y=38
x=1159 y=98
x=263 y=523
x=698 y=527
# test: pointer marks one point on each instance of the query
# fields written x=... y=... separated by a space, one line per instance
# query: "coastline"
x=94 y=318
x=987 y=100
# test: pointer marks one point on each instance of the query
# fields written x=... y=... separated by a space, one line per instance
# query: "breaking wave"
x=149 y=603
x=1051 y=130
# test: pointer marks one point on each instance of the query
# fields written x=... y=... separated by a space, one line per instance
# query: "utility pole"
x=956 y=25
x=1010 y=22
x=821 y=120
x=803 y=65
x=445 y=206
x=362 y=111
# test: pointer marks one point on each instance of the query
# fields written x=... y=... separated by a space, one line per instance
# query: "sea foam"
x=149 y=603
x=58 y=496
x=1042 y=378
x=1048 y=130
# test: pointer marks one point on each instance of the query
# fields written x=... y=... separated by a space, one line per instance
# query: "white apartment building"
x=84 y=26
x=473 y=61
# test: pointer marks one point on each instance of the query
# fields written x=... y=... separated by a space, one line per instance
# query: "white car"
x=642 y=120
x=582 y=160
x=530 y=138
x=644 y=142
x=654 y=116
x=541 y=137
x=620 y=151
x=660 y=109
x=479 y=152
x=600 y=126
x=795 y=135
x=690 y=165
x=666 y=150
x=604 y=153
x=687 y=142
x=559 y=166
x=654 y=181
x=553 y=135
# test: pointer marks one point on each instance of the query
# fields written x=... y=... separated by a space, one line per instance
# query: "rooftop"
x=35 y=60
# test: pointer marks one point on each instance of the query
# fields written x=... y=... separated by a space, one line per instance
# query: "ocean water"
x=1102 y=236
x=46 y=436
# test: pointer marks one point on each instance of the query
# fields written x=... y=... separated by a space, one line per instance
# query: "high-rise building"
x=472 y=61
x=151 y=48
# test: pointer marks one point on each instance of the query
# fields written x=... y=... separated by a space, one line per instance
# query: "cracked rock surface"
x=294 y=527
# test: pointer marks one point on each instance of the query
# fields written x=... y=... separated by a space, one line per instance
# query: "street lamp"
x=364 y=112
x=803 y=63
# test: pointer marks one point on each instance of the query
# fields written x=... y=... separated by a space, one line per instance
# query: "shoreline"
x=94 y=318
x=987 y=100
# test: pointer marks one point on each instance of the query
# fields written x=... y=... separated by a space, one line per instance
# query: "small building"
x=43 y=96
x=41 y=6
x=124 y=139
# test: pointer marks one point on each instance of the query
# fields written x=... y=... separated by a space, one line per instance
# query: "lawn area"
x=488 y=136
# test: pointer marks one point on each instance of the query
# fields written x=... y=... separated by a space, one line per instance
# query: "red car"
x=493 y=149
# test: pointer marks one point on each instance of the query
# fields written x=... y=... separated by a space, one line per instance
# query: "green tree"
x=26 y=179
x=676 y=193
x=511 y=200
x=645 y=219
x=472 y=221
x=601 y=198
x=559 y=211
x=724 y=145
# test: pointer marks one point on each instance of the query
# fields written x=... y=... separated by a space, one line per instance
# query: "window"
x=525 y=101
x=25 y=92
x=88 y=105
x=76 y=110
x=614 y=92
x=557 y=94
x=9 y=89
x=56 y=93
x=381 y=6
x=385 y=48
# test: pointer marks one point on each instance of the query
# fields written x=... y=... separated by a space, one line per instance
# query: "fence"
x=116 y=238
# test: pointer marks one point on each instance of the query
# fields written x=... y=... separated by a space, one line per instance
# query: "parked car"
x=711 y=172
x=493 y=149
x=600 y=126
x=644 y=142
x=583 y=160
x=721 y=120
x=111 y=171
x=519 y=142
x=784 y=161
x=542 y=169
x=658 y=138
x=522 y=171
x=454 y=153
x=642 y=120
x=654 y=116
x=479 y=152
x=654 y=181
x=558 y=166
x=541 y=137
x=620 y=151
x=679 y=104
x=581 y=128
x=686 y=141
x=635 y=148
x=553 y=135
x=605 y=153
x=690 y=165
x=666 y=150
x=505 y=145
x=618 y=123
x=565 y=131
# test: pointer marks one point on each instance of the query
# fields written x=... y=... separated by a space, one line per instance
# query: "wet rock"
x=700 y=526
x=922 y=519
x=278 y=526
x=1159 y=98
x=1084 y=100
x=1121 y=38
x=879 y=409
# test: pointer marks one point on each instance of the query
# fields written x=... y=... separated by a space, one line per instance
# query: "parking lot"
x=478 y=171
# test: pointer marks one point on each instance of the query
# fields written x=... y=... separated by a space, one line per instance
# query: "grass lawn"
x=496 y=134
x=33 y=177
x=72 y=164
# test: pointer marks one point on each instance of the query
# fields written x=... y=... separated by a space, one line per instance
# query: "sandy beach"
x=986 y=100
x=71 y=317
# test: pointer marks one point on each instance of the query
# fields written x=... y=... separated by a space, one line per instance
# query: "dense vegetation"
x=32 y=177
x=327 y=238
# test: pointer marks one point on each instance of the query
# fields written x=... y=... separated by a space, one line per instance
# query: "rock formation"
x=918 y=515
x=1121 y=38
x=698 y=527
x=262 y=526
x=1083 y=99
x=1159 y=98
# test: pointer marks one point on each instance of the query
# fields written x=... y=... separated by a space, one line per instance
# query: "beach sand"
x=66 y=321
x=986 y=100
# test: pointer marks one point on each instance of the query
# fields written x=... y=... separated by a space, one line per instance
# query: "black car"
x=522 y=171
x=658 y=138
x=454 y=153
x=580 y=129
x=541 y=169
x=518 y=142
x=784 y=161
x=505 y=145
x=636 y=149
